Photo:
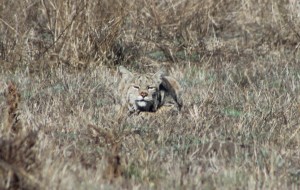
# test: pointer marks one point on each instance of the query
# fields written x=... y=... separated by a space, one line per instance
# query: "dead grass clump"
x=74 y=32
x=18 y=160
x=113 y=32
x=112 y=142
x=12 y=124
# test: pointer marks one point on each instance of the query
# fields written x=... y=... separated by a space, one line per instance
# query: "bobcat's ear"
x=126 y=74
x=159 y=75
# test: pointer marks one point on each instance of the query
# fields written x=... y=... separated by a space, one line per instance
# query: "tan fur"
x=147 y=92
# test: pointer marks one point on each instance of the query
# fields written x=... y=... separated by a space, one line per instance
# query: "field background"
x=237 y=60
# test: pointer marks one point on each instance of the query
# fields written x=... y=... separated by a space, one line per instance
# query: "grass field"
x=238 y=62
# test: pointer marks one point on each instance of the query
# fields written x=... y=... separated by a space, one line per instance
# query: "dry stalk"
x=11 y=120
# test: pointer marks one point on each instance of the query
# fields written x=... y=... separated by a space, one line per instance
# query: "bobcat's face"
x=143 y=92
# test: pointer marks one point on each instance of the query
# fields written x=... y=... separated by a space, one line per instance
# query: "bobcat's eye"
x=151 y=88
x=136 y=87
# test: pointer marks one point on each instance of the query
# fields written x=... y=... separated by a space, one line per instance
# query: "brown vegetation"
x=238 y=62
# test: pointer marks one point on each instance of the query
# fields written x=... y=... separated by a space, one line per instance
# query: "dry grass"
x=238 y=62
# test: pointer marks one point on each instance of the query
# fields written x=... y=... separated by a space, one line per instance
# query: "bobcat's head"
x=142 y=89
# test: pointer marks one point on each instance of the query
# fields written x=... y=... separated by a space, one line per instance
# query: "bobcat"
x=147 y=92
